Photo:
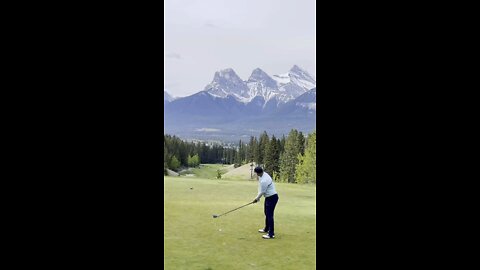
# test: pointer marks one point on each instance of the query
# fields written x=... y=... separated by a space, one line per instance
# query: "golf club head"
x=215 y=216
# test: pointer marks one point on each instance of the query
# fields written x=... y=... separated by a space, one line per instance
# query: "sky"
x=205 y=36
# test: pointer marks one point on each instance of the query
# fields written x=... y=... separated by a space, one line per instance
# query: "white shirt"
x=266 y=186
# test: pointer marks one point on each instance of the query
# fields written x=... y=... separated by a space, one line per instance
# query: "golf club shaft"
x=235 y=209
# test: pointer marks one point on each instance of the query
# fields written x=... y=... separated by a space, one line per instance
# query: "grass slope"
x=208 y=171
x=195 y=240
x=243 y=172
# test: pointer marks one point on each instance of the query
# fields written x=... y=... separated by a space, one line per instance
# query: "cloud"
x=173 y=55
x=210 y=25
x=169 y=85
x=208 y=129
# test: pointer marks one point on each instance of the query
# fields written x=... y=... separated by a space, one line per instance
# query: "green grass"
x=207 y=171
x=192 y=239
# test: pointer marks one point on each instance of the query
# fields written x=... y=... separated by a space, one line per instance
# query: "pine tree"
x=237 y=160
x=268 y=157
x=271 y=156
x=301 y=142
x=183 y=155
x=256 y=151
x=250 y=150
x=230 y=156
x=224 y=156
x=276 y=156
x=282 y=144
x=289 y=158
x=165 y=155
x=241 y=154
x=263 y=143
x=307 y=164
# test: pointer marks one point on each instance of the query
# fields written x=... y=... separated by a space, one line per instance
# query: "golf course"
x=193 y=239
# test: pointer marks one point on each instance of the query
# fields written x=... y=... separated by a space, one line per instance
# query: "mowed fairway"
x=193 y=239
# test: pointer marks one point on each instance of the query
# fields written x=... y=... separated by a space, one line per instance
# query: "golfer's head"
x=258 y=171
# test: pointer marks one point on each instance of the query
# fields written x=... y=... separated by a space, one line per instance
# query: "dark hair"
x=258 y=170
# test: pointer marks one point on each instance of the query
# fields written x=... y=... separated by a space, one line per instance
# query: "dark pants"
x=269 y=208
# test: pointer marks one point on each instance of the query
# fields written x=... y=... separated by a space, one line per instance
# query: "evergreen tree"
x=289 y=158
x=276 y=156
x=230 y=156
x=224 y=156
x=282 y=144
x=262 y=145
x=241 y=154
x=183 y=155
x=250 y=150
x=256 y=151
x=271 y=156
x=237 y=160
x=307 y=164
x=301 y=143
x=165 y=156
x=268 y=157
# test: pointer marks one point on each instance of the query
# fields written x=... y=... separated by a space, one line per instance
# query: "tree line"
x=289 y=159
x=178 y=153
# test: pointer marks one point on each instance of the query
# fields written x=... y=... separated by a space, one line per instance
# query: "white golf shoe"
x=266 y=236
x=262 y=231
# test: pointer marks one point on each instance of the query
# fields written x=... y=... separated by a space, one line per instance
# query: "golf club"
x=216 y=216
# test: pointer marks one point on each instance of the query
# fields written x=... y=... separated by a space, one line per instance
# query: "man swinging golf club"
x=267 y=189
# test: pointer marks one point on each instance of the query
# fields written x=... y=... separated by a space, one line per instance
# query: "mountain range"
x=230 y=108
x=167 y=97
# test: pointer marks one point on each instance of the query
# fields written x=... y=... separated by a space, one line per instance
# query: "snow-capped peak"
x=261 y=84
x=167 y=96
x=302 y=75
x=282 y=87
x=226 y=82
x=258 y=72
x=259 y=75
x=226 y=74
x=296 y=82
x=308 y=100
x=296 y=68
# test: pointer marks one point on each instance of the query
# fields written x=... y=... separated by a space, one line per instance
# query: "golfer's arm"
x=261 y=191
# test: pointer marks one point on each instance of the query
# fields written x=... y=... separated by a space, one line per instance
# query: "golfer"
x=267 y=189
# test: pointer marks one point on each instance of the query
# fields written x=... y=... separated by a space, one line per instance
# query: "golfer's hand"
x=255 y=201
